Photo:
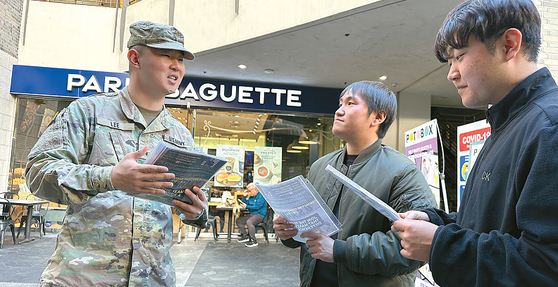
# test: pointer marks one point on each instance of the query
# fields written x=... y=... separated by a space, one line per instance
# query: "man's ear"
x=133 y=58
x=511 y=43
x=379 y=118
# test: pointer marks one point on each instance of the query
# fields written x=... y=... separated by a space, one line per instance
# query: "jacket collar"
x=529 y=89
x=133 y=113
x=365 y=154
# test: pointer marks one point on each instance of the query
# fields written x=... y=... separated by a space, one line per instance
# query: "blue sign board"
x=252 y=95
x=42 y=81
x=198 y=92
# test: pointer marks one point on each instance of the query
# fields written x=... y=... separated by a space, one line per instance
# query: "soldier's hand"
x=130 y=176
x=199 y=201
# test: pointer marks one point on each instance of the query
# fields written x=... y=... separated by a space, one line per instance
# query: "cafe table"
x=229 y=210
x=29 y=204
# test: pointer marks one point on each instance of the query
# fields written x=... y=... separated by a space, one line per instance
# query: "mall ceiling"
x=392 y=38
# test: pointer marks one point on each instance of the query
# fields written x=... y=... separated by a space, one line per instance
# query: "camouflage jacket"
x=108 y=238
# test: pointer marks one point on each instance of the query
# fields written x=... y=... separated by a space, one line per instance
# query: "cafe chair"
x=267 y=223
x=6 y=220
x=38 y=217
x=211 y=222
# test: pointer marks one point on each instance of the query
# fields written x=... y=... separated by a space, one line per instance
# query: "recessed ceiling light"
x=383 y=78
x=268 y=71
x=242 y=66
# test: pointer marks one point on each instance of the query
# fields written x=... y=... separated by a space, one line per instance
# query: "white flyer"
x=297 y=201
x=371 y=199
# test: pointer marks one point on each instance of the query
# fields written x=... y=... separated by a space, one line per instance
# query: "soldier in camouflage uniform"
x=90 y=158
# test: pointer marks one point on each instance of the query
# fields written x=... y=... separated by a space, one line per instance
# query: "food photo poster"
x=231 y=174
x=267 y=165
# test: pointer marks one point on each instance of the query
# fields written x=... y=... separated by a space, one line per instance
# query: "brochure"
x=297 y=201
x=371 y=199
x=190 y=168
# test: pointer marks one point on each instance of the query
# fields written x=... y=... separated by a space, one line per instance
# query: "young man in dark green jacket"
x=365 y=251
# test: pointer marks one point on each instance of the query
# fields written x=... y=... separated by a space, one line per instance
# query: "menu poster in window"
x=267 y=165
x=231 y=174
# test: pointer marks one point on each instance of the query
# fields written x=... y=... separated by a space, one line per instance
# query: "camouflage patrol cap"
x=154 y=35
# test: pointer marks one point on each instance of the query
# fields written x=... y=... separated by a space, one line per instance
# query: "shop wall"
x=7 y=115
x=414 y=110
x=10 y=18
x=548 y=56
x=69 y=36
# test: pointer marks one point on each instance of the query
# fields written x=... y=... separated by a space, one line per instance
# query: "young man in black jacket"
x=505 y=232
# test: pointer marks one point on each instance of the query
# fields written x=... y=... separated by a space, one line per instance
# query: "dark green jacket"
x=367 y=251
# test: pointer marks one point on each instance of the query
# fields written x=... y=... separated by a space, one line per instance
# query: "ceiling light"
x=242 y=66
x=300 y=147
x=291 y=150
x=382 y=78
x=307 y=142
x=268 y=71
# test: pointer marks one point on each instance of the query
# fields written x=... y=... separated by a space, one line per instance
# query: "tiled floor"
x=201 y=263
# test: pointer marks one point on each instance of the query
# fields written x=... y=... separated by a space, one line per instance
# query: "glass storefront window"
x=300 y=139
x=33 y=117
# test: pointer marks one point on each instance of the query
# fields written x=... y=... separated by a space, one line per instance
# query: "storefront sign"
x=42 y=81
x=258 y=96
x=197 y=92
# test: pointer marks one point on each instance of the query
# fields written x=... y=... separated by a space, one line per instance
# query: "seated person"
x=216 y=193
x=256 y=204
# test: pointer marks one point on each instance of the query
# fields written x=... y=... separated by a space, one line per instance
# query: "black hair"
x=488 y=20
x=379 y=98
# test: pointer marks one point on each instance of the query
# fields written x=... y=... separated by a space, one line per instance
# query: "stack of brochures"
x=190 y=168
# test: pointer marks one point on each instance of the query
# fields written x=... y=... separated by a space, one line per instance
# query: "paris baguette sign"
x=198 y=92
